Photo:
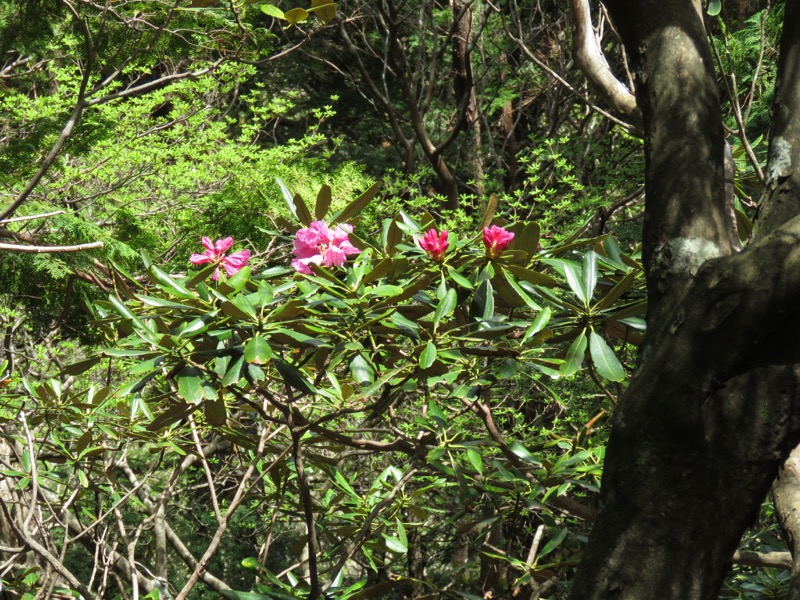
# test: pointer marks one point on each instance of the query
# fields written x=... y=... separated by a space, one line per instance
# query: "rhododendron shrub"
x=380 y=351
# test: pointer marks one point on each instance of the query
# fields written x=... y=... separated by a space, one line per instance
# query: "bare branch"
x=50 y=249
x=589 y=57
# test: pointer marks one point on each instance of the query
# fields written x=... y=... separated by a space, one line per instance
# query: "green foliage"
x=442 y=412
x=398 y=355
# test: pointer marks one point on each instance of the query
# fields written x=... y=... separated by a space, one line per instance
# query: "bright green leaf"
x=257 y=350
x=428 y=356
x=604 y=360
x=574 y=359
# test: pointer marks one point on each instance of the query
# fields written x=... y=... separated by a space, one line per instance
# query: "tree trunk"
x=786 y=492
x=712 y=410
x=464 y=89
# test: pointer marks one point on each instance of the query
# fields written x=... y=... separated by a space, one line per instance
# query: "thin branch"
x=31 y=217
x=308 y=511
x=733 y=93
x=366 y=528
x=589 y=57
x=50 y=249
x=44 y=553
x=542 y=65
x=239 y=496
x=778 y=560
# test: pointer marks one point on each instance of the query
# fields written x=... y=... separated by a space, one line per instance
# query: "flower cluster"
x=322 y=245
x=330 y=246
x=215 y=253
x=496 y=239
x=435 y=244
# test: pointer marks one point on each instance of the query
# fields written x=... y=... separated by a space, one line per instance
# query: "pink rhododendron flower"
x=215 y=253
x=435 y=244
x=496 y=239
x=322 y=245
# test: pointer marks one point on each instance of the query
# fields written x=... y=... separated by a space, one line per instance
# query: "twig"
x=308 y=510
x=50 y=249
x=778 y=560
x=77 y=111
x=733 y=94
x=44 y=553
x=31 y=217
x=234 y=504
x=537 y=538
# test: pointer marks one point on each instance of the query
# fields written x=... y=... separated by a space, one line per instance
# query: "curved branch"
x=589 y=57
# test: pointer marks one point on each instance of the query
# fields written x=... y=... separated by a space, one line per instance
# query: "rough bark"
x=464 y=89
x=712 y=410
x=780 y=201
x=786 y=492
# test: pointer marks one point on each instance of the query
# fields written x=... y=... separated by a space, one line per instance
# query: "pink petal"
x=310 y=237
x=236 y=260
x=207 y=243
x=222 y=246
x=334 y=257
x=306 y=252
x=301 y=267
x=348 y=248
x=301 y=264
x=320 y=229
x=341 y=232
x=199 y=259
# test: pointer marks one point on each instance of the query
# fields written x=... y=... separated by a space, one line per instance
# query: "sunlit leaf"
x=233 y=374
x=272 y=11
x=459 y=278
x=190 y=385
x=428 y=355
x=395 y=544
x=539 y=323
x=475 y=459
x=324 y=9
x=554 y=542
x=257 y=350
x=295 y=16
x=523 y=453
x=575 y=282
x=445 y=307
x=293 y=201
x=168 y=284
x=589 y=275
x=482 y=307
x=604 y=360
x=361 y=370
x=574 y=359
